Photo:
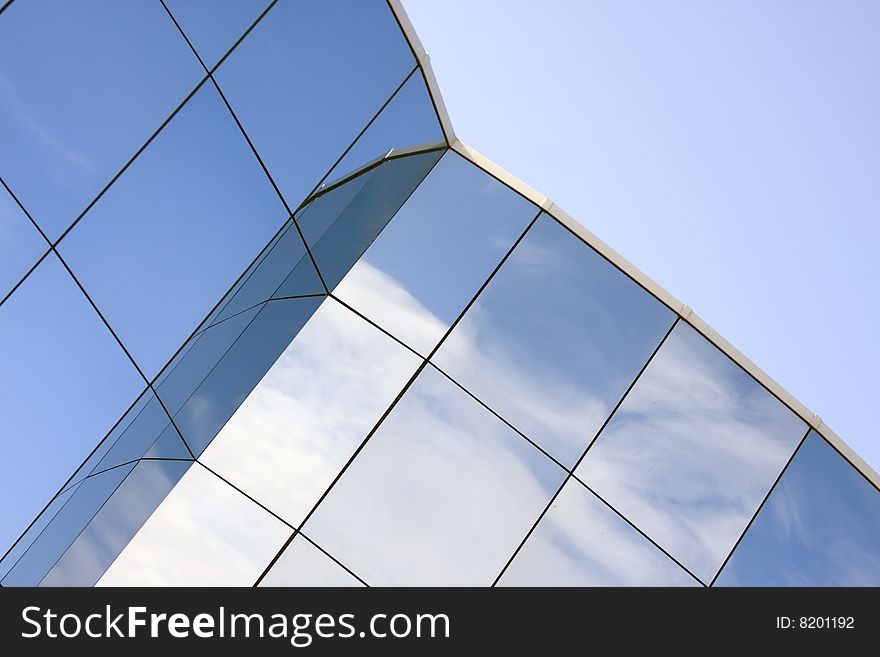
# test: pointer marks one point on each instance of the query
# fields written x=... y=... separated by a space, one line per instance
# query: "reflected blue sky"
x=82 y=86
x=20 y=243
x=560 y=327
x=692 y=451
x=820 y=527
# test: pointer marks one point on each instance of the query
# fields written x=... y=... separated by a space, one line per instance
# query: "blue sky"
x=730 y=149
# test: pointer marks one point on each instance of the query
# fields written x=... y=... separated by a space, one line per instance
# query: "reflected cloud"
x=692 y=451
x=302 y=564
x=581 y=542
x=205 y=533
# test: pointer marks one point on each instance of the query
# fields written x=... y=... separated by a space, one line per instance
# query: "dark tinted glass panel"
x=204 y=533
x=299 y=426
x=202 y=403
x=118 y=520
x=65 y=382
x=441 y=494
x=431 y=259
x=175 y=231
x=560 y=327
x=214 y=25
x=692 y=451
x=408 y=120
x=339 y=234
x=308 y=79
x=820 y=527
x=581 y=542
x=303 y=564
x=20 y=243
x=64 y=526
x=82 y=86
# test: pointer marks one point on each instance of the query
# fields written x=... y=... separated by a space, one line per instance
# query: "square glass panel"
x=692 y=451
x=307 y=80
x=82 y=86
x=303 y=564
x=65 y=382
x=205 y=533
x=20 y=243
x=299 y=426
x=581 y=542
x=213 y=26
x=169 y=238
x=441 y=494
x=560 y=327
x=820 y=527
x=430 y=260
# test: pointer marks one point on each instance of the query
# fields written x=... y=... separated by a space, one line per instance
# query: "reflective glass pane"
x=320 y=399
x=62 y=525
x=20 y=243
x=692 y=451
x=203 y=397
x=440 y=495
x=65 y=382
x=343 y=221
x=214 y=25
x=82 y=86
x=308 y=78
x=175 y=231
x=303 y=564
x=430 y=260
x=114 y=525
x=204 y=533
x=820 y=527
x=581 y=542
x=409 y=119
x=560 y=327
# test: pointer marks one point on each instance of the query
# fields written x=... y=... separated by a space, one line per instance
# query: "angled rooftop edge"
x=681 y=309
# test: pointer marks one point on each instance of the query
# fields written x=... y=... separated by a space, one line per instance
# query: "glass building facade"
x=419 y=370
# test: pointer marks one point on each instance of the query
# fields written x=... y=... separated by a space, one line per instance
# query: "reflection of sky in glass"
x=554 y=340
x=204 y=533
x=692 y=451
x=302 y=564
x=64 y=383
x=308 y=78
x=820 y=527
x=174 y=232
x=441 y=494
x=320 y=399
x=82 y=86
x=213 y=26
x=20 y=243
x=438 y=249
x=581 y=542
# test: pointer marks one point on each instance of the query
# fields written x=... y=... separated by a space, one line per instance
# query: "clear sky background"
x=729 y=149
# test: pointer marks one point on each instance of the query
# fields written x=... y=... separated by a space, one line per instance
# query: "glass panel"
x=20 y=243
x=207 y=386
x=205 y=533
x=214 y=25
x=408 y=120
x=320 y=399
x=120 y=68
x=692 y=451
x=341 y=231
x=302 y=564
x=440 y=495
x=62 y=526
x=175 y=231
x=560 y=327
x=820 y=527
x=323 y=71
x=65 y=381
x=581 y=542
x=427 y=264
x=116 y=523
